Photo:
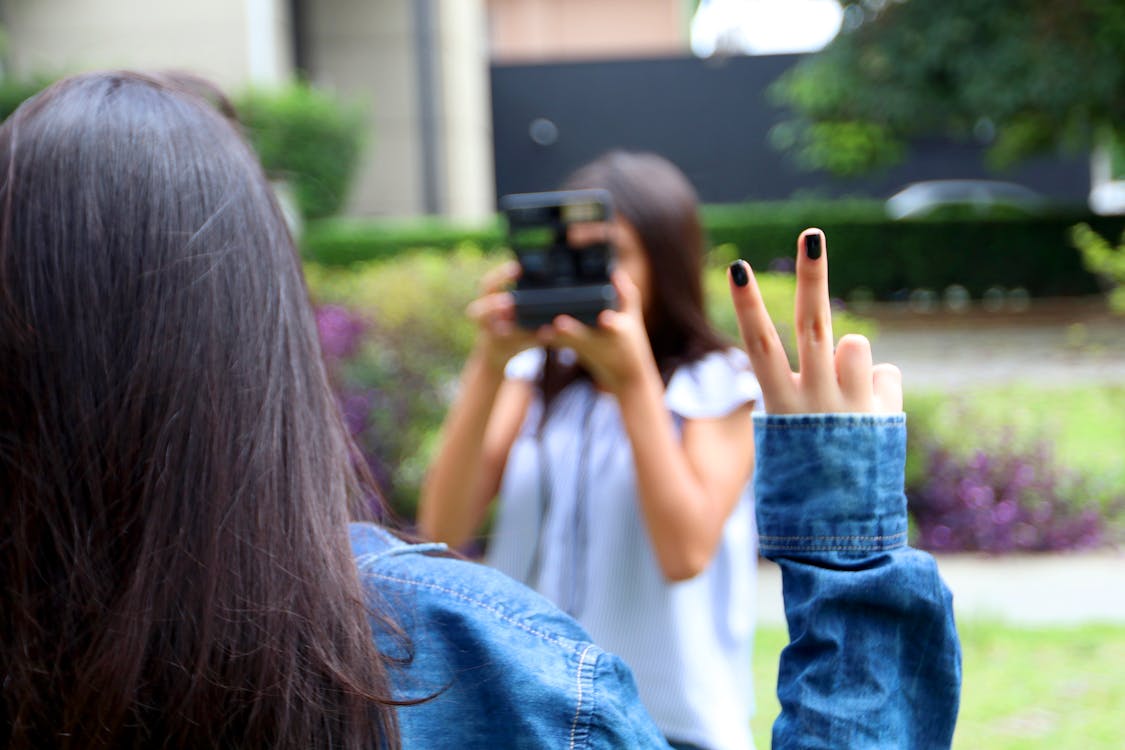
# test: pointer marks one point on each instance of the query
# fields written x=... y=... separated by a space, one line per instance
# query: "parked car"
x=980 y=196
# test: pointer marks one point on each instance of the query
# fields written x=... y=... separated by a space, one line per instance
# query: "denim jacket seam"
x=578 y=708
x=369 y=558
x=768 y=548
x=825 y=538
x=477 y=602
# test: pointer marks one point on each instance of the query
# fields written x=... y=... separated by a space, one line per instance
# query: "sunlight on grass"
x=1086 y=423
x=1031 y=689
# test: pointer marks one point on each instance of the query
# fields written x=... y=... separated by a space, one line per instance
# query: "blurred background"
x=966 y=159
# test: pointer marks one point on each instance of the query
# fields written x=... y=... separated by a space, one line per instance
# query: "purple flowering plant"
x=1003 y=497
x=394 y=335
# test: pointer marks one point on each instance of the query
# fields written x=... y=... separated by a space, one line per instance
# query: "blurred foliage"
x=1024 y=76
x=308 y=137
x=870 y=252
x=1103 y=259
x=395 y=387
x=396 y=352
x=13 y=92
x=301 y=134
x=341 y=241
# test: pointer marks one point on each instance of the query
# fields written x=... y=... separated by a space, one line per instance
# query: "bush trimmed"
x=868 y=250
x=307 y=137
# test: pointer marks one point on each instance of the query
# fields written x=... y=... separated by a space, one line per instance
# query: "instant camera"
x=562 y=242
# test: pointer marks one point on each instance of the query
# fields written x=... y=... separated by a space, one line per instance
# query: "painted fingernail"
x=738 y=273
x=812 y=245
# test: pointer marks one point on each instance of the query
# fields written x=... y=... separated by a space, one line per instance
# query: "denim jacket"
x=873 y=659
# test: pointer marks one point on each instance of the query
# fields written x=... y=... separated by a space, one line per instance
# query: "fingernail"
x=812 y=245
x=738 y=273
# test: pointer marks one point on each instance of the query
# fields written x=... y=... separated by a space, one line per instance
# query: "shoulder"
x=479 y=646
x=713 y=386
x=436 y=579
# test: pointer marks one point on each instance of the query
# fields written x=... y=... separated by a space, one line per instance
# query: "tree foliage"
x=1023 y=76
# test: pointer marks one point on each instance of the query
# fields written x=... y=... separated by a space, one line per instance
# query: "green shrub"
x=867 y=249
x=397 y=385
x=1103 y=259
x=309 y=138
x=337 y=242
x=13 y=93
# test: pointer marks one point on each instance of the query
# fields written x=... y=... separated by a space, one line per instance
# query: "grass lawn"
x=1025 y=689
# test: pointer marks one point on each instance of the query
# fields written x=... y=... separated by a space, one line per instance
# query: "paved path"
x=1028 y=590
x=1053 y=343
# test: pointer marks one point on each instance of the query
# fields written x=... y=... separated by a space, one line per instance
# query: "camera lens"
x=593 y=262
x=562 y=264
x=535 y=265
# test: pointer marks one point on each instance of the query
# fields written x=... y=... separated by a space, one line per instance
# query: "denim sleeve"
x=873 y=659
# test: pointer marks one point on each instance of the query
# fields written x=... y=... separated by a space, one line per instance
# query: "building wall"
x=422 y=155
x=530 y=30
x=209 y=37
x=365 y=51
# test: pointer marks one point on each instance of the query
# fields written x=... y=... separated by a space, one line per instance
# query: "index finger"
x=500 y=277
x=763 y=345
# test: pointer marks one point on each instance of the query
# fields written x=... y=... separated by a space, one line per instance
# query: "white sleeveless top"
x=569 y=525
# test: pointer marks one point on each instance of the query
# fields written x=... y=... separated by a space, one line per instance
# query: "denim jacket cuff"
x=830 y=482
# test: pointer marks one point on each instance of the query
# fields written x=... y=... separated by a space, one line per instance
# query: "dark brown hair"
x=175 y=476
x=654 y=196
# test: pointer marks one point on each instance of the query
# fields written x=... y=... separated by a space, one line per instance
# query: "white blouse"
x=569 y=525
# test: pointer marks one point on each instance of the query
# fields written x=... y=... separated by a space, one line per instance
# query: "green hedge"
x=14 y=92
x=867 y=249
x=301 y=134
x=309 y=138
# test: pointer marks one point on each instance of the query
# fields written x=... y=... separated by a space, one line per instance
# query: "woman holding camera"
x=621 y=455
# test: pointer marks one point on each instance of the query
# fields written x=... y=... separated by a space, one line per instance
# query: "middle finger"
x=813 y=318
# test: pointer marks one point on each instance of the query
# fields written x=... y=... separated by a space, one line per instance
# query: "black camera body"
x=562 y=242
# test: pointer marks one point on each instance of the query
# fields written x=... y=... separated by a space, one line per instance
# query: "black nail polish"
x=812 y=245
x=738 y=274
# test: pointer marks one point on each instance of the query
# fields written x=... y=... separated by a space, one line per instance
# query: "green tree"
x=1025 y=76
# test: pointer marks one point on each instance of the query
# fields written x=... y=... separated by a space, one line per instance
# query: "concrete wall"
x=209 y=37
x=364 y=51
x=422 y=155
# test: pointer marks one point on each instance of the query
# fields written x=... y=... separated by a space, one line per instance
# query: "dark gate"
x=712 y=118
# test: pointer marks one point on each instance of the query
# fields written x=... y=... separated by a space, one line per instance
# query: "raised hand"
x=616 y=351
x=827 y=381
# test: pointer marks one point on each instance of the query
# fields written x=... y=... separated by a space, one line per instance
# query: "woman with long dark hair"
x=621 y=455
x=179 y=567
x=174 y=554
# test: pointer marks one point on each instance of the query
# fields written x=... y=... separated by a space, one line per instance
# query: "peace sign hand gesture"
x=826 y=381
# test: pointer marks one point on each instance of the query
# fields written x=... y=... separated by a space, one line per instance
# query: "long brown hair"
x=656 y=198
x=175 y=476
